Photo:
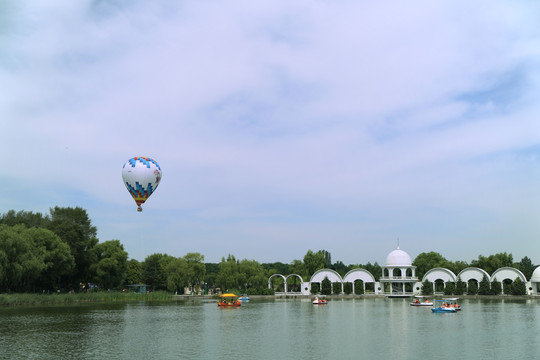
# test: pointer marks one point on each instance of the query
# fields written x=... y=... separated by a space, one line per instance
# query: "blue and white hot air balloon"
x=141 y=176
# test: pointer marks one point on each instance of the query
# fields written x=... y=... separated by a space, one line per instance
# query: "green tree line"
x=60 y=251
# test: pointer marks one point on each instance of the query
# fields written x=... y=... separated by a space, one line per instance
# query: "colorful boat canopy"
x=141 y=176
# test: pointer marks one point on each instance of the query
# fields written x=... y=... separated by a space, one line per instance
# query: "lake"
x=366 y=328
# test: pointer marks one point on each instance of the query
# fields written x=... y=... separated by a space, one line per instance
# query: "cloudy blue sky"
x=280 y=126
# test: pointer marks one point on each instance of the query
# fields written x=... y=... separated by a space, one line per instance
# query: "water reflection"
x=351 y=328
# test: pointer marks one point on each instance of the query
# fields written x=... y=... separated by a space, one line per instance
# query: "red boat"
x=228 y=300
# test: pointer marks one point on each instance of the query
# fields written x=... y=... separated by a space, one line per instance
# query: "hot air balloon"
x=141 y=176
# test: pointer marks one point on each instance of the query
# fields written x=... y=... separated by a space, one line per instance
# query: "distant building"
x=398 y=275
x=399 y=278
x=534 y=287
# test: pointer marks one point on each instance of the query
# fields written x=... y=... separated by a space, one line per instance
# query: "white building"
x=398 y=275
x=535 y=282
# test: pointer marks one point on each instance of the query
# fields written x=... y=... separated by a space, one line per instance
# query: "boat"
x=446 y=306
x=321 y=301
x=244 y=298
x=228 y=300
x=418 y=301
x=452 y=302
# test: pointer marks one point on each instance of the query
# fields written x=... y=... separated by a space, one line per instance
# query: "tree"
x=297 y=267
x=484 y=288
x=228 y=273
x=177 y=274
x=336 y=288
x=326 y=286
x=450 y=288
x=347 y=287
x=212 y=270
x=74 y=227
x=196 y=270
x=57 y=258
x=32 y=258
x=134 y=272
x=375 y=269
x=519 y=287
x=279 y=268
x=327 y=258
x=154 y=272
x=110 y=266
x=496 y=288
x=427 y=288
x=315 y=288
x=457 y=266
x=427 y=261
x=359 y=287
x=255 y=276
x=472 y=288
x=314 y=261
x=461 y=287
x=507 y=287
x=526 y=267
x=340 y=268
x=21 y=261
x=493 y=262
x=28 y=218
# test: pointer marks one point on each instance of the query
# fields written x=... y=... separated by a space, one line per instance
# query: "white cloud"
x=277 y=116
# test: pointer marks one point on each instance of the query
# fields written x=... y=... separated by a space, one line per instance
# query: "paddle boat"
x=228 y=300
x=446 y=306
x=418 y=301
x=320 y=301
x=244 y=298
x=452 y=302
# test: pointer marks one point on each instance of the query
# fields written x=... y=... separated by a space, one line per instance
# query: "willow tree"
x=74 y=227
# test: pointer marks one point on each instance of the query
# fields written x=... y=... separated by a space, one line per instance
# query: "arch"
x=439 y=274
x=332 y=275
x=359 y=274
x=507 y=273
x=438 y=286
x=409 y=272
x=278 y=275
x=287 y=280
x=288 y=276
x=472 y=273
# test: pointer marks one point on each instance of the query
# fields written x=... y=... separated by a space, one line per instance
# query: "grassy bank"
x=76 y=298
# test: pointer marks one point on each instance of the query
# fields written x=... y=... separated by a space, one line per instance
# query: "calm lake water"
x=273 y=329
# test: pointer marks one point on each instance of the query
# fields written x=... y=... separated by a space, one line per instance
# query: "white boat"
x=446 y=306
x=321 y=301
x=421 y=301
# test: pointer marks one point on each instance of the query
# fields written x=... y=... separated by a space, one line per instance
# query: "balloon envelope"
x=141 y=176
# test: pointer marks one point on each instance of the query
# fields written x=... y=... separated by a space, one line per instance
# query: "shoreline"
x=337 y=297
x=11 y=300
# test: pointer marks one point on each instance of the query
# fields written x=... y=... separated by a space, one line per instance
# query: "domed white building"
x=535 y=282
x=399 y=278
x=398 y=275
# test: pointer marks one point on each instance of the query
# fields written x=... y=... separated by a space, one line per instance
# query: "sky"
x=280 y=126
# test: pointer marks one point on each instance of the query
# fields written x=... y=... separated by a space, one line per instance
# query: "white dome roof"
x=398 y=258
x=536 y=275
